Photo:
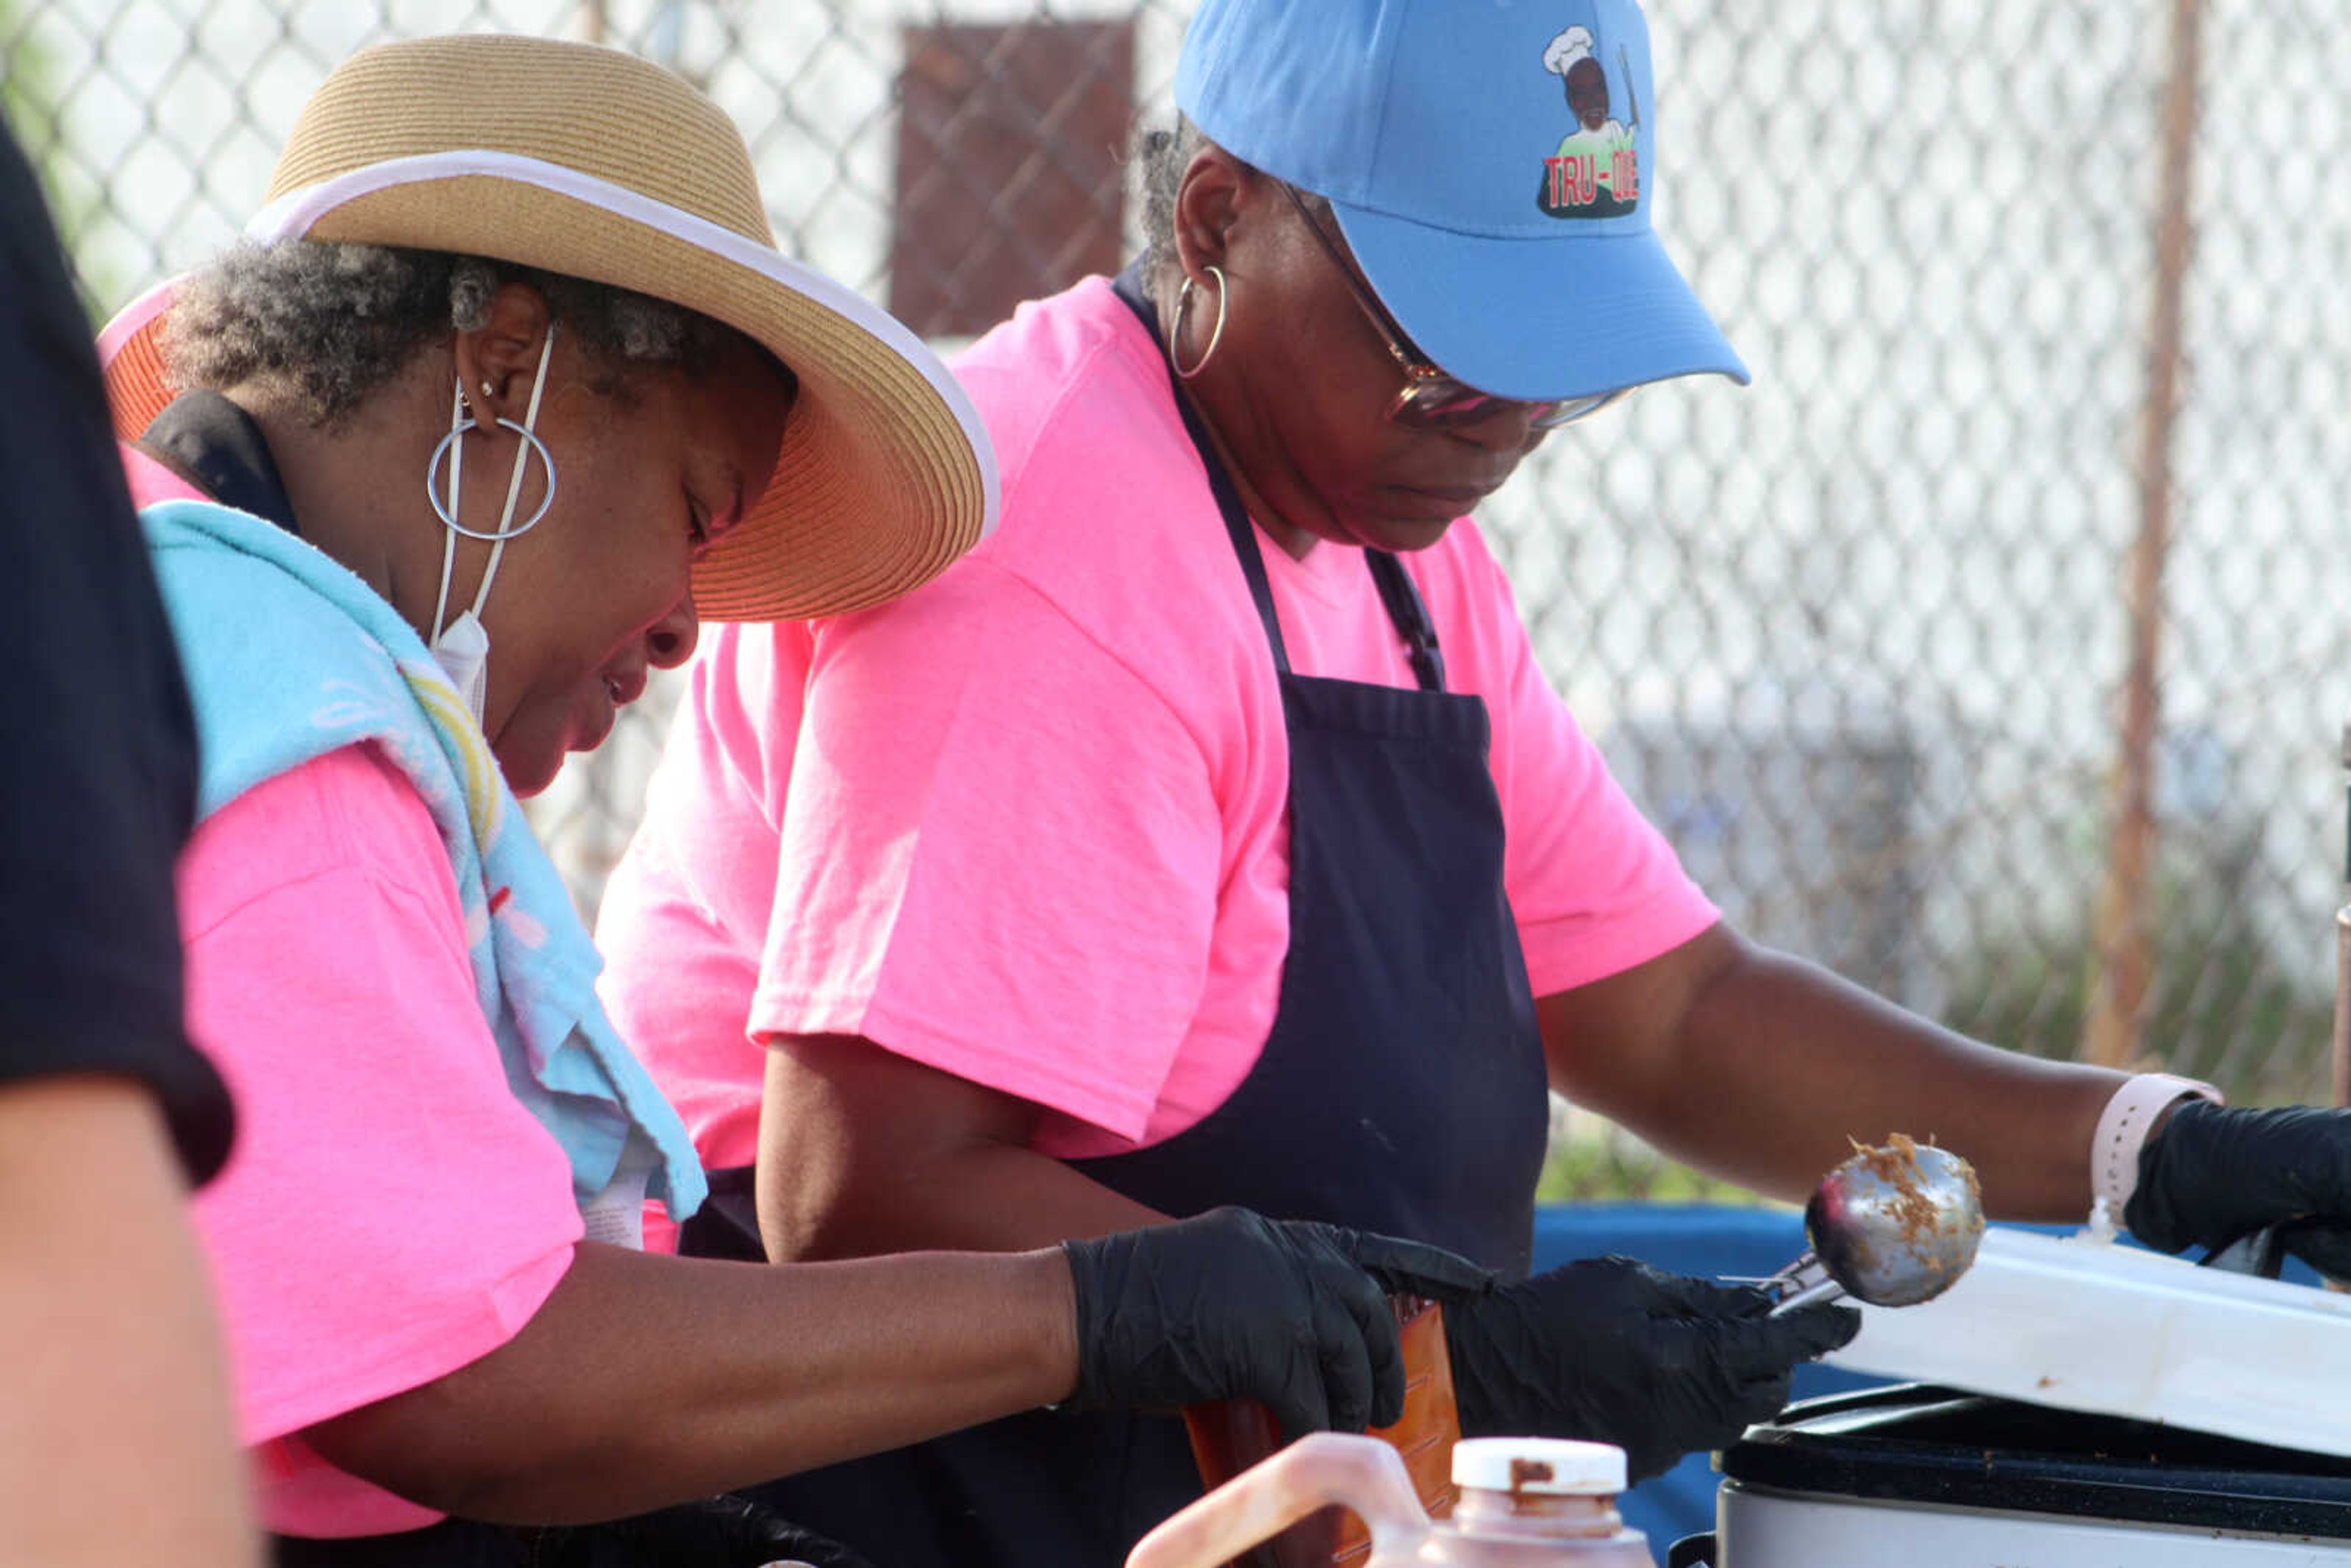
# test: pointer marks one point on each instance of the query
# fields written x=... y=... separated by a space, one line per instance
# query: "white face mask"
x=461 y=647
x=463 y=652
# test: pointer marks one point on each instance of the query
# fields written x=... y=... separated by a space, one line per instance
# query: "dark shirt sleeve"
x=98 y=747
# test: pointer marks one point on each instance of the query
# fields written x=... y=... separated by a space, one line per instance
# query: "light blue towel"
x=289 y=657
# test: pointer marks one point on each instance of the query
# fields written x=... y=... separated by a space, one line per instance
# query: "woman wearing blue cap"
x=1211 y=836
x=349 y=440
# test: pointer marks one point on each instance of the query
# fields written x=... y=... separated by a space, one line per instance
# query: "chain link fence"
x=1993 y=648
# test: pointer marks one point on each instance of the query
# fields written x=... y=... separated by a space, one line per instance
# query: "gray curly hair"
x=1160 y=155
x=323 y=324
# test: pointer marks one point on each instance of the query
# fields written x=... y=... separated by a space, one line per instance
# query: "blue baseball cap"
x=1492 y=164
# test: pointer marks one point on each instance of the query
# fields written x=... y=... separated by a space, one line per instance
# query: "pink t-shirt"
x=1029 y=824
x=390 y=1212
x=150 y=481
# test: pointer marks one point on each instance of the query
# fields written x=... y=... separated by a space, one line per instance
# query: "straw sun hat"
x=584 y=161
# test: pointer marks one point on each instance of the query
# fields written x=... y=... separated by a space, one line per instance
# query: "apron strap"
x=1243 y=533
x=1128 y=287
x=1407 y=612
x=1410 y=614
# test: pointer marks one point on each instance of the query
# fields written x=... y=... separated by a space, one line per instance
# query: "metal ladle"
x=1891 y=1227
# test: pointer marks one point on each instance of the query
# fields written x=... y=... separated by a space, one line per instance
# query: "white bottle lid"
x=1552 y=1466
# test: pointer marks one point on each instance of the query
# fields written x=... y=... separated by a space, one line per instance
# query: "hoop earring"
x=1216 y=333
x=432 y=466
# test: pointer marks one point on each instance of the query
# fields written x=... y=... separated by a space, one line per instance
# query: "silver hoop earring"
x=432 y=493
x=1216 y=333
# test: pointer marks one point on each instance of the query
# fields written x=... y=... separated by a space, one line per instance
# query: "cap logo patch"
x=1596 y=173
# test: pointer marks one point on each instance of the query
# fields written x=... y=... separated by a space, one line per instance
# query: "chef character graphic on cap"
x=1595 y=174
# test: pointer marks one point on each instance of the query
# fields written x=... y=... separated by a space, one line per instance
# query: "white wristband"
x=2123 y=1127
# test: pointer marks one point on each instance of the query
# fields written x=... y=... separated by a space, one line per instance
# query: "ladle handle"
x=1800 y=1274
x=1822 y=1289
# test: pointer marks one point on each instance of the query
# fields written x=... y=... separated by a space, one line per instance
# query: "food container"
x=1929 y=1477
x=2080 y=1403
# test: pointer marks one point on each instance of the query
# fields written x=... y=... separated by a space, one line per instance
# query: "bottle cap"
x=1552 y=1466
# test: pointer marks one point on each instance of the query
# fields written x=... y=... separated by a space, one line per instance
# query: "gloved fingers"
x=1301 y=1404
x=1414 y=1268
x=2324 y=1245
x=727 y=1528
x=786 y=1542
x=1686 y=1295
x=814 y=1551
x=1768 y=1346
x=1372 y=1339
x=1704 y=1409
x=1711 y=1408
x=1347 y=1330
x=2213 y=1172
x=1753 y=1348
x=1758 y=1400
x=1663 y=1295
x=1820 y=1328
x=2326 y=1170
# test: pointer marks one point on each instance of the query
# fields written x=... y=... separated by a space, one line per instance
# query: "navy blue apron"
x=1401 y=1089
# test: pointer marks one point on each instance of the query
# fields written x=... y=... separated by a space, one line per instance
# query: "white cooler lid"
x=2083 y=1324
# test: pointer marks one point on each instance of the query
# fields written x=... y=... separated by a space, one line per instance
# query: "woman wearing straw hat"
x=1224 y=842
x=509 y=386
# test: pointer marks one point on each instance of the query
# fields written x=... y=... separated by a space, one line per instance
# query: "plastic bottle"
x=1524 y=1502
x=1231 y=1434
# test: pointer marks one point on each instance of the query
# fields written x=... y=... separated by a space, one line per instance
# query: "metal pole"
x=2123 y=949
x=2342 y=1052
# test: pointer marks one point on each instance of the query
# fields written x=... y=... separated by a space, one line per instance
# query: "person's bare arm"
x=116 y=1442
x=646 y=1379
x=863 y=1151
x=1759 y=1067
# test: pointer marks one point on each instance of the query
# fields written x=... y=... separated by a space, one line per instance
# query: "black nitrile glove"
x=1613 y=1351
x=724 y=1532
x=2214 y=1172
x=1233 y=1305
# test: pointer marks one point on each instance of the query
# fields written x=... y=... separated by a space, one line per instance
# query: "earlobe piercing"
x=1216 y=333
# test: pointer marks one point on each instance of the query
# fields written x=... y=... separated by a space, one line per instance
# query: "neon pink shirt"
x=390 y=1212
x=151 y=481
x=1028 y=825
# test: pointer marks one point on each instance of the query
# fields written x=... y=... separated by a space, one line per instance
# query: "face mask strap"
x=449 y=534
x=507 y=528
x=514 y=481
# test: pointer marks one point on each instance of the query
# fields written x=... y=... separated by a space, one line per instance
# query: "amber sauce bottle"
x=1231 y=1434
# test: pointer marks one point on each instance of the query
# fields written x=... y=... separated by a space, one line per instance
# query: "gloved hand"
x=1613 y=1351
x=729 y=1530
x=2213 y=1172
x=1230 y=1304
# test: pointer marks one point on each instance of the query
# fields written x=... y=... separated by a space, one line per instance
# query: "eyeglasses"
x=1429 y=397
